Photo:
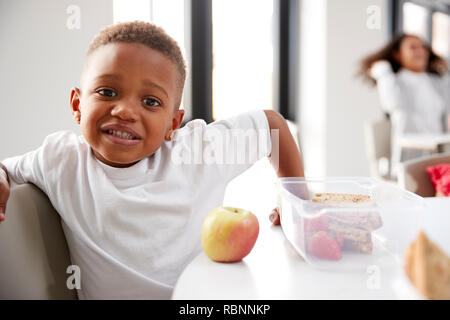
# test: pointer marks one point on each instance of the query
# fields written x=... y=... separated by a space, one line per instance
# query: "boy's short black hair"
x=145 y=33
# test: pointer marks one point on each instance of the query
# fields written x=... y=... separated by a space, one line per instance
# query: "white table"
x=423 y=142
x=274 y=270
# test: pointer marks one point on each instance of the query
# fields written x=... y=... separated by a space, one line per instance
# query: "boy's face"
x=132 y=86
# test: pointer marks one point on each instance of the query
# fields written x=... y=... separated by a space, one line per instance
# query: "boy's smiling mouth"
x=119 y=134
x=120 y=130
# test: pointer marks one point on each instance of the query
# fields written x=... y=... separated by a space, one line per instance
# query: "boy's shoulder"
x=243 y=119
x=63 y=142
x=63 y=138
x=195 y=123
x=250 y=120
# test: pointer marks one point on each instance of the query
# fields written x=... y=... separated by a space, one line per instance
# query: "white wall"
x=40 y=60
x=333 y=100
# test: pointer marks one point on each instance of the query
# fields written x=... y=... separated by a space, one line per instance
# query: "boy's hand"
x=4 y=191
x=299 y=190
x=274 y=217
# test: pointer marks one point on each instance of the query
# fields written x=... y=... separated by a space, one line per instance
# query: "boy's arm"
x=4 y=190
x=5 y=172
x=290 y=162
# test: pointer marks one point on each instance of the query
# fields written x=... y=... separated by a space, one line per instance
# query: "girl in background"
x=414 y=89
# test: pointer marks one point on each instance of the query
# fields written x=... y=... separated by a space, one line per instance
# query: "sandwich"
x=428 y=268
x=355 y=226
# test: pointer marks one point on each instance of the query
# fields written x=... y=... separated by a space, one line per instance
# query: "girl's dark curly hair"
x=435 y=62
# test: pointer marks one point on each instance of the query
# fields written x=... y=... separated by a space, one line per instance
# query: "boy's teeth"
x=124 y=135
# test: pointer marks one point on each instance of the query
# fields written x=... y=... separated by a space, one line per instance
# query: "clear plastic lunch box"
x=398 y=210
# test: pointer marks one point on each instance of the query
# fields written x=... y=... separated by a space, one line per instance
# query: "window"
x=242 y=56
x=441 y=34
x=415 y=20
x=428 y=19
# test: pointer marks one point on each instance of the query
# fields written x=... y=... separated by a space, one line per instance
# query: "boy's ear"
x=176 y=123
x=75 y=98
x=177 y=119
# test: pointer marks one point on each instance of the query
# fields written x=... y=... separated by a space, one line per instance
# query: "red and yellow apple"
x=229 y=234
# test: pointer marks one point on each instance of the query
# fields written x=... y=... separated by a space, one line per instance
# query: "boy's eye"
x=150 y=102
x=107 y=93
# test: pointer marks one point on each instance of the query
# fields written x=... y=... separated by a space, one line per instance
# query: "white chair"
x=413 y=176
x=378 y=148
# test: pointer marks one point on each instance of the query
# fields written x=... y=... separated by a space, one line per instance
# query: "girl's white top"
x=416 y=102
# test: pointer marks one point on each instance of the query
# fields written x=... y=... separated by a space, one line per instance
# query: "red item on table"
x=440 y=178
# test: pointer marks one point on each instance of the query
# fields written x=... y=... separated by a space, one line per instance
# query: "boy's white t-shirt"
x=133 y=230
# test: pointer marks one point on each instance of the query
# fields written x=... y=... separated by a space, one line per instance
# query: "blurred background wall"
x=334 y=36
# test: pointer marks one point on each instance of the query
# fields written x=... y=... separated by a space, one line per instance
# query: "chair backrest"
x=378 y=147
x=413 y=176
x=33 y=250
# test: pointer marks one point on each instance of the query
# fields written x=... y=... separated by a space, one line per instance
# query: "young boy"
x=130 y=194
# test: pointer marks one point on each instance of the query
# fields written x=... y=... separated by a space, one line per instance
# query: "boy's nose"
x=125 y=111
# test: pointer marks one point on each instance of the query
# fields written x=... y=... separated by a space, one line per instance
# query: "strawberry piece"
x=322 y=245
x=316 y=224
